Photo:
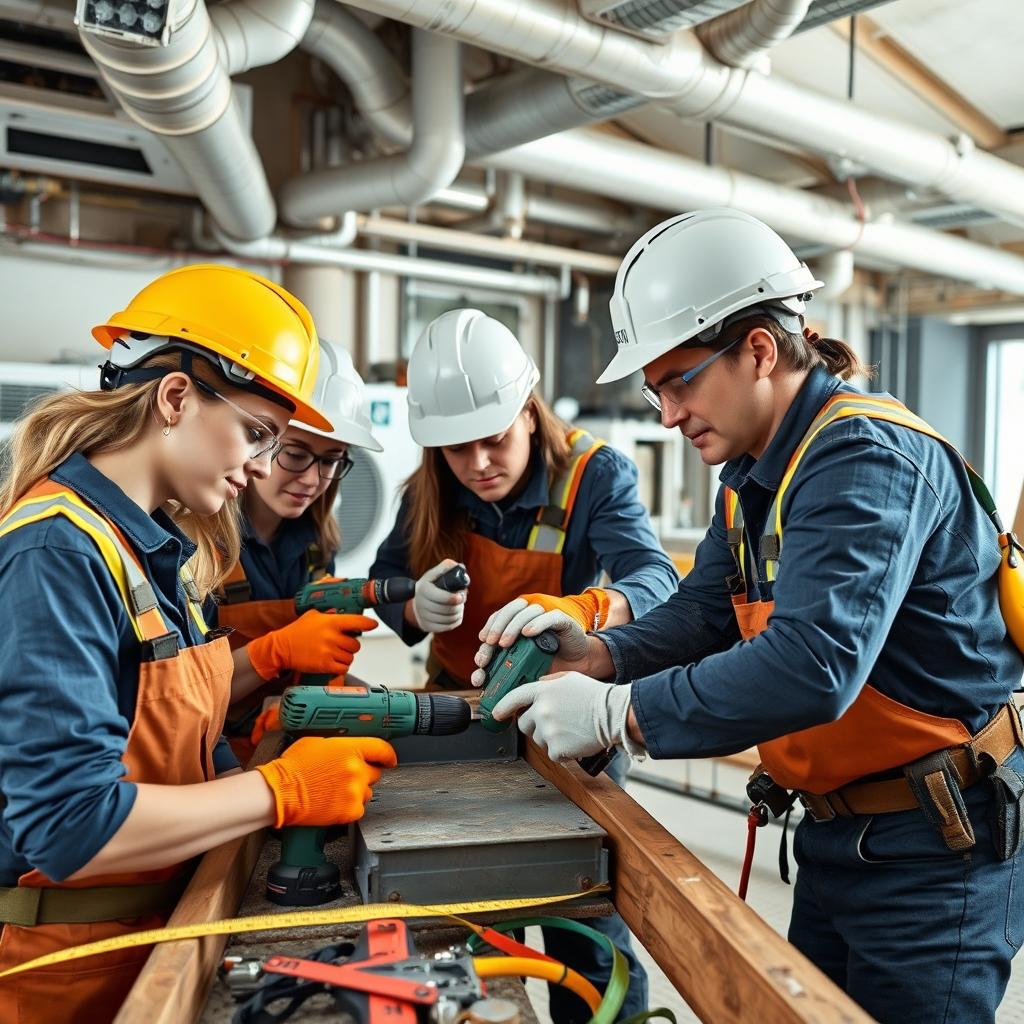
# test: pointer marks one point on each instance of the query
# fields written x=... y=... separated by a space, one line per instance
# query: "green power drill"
x=526 y=661
x=303 y=877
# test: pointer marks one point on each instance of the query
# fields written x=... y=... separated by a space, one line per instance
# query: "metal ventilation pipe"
x=254 y=33
x=742 y=37
x=633 y=172
x=369 y=70
x=409 y=178
x=681 y=75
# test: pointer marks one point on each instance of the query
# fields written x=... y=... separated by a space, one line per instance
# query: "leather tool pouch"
x=1007 y=811
x=936 y=785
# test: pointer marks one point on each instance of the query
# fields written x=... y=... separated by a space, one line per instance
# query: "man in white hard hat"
x=842 y=614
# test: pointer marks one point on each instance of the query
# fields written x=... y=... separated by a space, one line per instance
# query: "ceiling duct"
x=655 y=19
x=944 y=218
x=821 y=12
x=57 y=117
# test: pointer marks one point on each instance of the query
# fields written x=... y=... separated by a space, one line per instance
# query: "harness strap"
x=548 y=533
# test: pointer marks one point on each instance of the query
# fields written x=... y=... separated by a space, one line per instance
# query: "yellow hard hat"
x=236 y=314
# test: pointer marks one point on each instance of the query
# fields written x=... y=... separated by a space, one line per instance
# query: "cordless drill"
x=353 y=595
x=303 y=877
x=526 y=661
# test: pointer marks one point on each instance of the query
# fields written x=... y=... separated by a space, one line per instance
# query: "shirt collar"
x=145 y=533
x=535 y=494
x=769 y=469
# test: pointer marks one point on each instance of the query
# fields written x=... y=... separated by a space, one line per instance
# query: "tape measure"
x=294 y=919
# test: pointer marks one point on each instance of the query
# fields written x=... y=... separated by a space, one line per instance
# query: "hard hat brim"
x=443 y=431
x=350 y=435
x=106 y=334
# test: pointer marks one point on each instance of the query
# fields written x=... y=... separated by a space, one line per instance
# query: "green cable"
x=618 y=984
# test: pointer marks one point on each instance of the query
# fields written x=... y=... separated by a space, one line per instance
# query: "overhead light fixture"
x=137 y=21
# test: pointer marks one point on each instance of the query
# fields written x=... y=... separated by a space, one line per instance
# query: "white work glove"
x=571 y=715
x=435 y=610
x=502 y=630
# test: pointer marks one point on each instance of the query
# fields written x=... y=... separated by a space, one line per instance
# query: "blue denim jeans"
x=915 y=933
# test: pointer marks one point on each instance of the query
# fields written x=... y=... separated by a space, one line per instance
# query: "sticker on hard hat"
x=621 y=338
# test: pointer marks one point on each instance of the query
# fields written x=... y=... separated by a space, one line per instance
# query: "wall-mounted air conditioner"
x=370 y=492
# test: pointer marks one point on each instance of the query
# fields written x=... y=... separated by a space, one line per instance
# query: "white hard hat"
x=340 y=395
x=683 y=278
x=468 y=378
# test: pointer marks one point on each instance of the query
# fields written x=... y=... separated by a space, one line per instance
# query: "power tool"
x=353 y=595
x=526 y=661
x=303 y=877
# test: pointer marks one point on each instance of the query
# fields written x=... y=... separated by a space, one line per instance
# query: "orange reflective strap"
x=48 y=499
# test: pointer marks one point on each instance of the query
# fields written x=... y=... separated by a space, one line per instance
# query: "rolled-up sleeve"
x=619 y=533
x=695 y=621
x=393 y=560
x=855 y=522
x=61 y=729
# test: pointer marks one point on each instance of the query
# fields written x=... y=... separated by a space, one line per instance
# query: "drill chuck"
x=441 y=714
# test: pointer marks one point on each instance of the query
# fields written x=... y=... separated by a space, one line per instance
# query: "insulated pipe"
x=182 y=93
x=681 y=75
x=742 y=37
x=323 y=250
x=632 y=172
x=836 y=270
x=254 y=33
x=369 y=70
x=409 y=178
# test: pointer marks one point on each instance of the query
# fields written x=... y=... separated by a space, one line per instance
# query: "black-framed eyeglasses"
x=293 y=459
x=263 y=442
x=674 y=390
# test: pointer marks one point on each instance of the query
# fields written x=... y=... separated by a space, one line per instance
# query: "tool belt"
x=932 y=784
x=26 y=906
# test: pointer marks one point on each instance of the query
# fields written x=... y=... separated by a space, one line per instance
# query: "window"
x=1004 y=455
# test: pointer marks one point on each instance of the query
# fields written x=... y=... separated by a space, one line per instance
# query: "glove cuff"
x=619 y=702
x=278 y=779
x=262 y=654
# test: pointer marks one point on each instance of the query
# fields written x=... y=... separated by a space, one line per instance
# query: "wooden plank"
x=726 y=962
x=907 y=69
x=176 y=980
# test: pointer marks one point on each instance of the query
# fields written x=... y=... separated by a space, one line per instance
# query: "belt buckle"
x=808 y=800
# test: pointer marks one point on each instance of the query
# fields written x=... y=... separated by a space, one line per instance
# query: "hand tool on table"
x=382 y=980
x=303 y=877
x=526 y=661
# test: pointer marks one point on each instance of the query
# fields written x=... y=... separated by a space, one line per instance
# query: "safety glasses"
x=674 y=391
x=263 y=442
x=294 y=459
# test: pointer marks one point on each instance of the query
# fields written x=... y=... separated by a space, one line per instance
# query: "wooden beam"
x=885 y=51
x=727 y=963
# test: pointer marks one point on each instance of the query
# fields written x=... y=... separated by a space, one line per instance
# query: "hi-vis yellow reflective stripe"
x=195 y=606
x=122 y=568
x=843 y=406
x=547 y=536
x=295 y=919
x=734 y=521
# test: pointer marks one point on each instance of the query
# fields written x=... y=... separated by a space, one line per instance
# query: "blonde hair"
x=435 y=525
x=107 y=421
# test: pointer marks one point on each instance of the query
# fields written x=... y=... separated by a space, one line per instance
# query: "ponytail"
x=838 y=357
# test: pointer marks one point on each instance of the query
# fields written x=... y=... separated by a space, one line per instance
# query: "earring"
x=167 y=427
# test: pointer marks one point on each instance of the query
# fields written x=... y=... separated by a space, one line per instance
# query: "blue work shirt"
x=69 y=666
x=275 y=571
x=608 y=531
x=887 y=575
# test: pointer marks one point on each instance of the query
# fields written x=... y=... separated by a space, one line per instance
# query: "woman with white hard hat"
x=856 y=611
x=535 y=510
x=290 y=537
x=113 y=691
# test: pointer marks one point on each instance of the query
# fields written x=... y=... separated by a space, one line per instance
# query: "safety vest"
x=876 y=733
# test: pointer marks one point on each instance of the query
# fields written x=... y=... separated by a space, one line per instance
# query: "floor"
x=713 y=834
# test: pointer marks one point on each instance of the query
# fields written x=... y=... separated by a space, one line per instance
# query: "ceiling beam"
x=873 y=41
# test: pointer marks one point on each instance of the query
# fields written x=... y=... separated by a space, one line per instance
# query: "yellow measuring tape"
x=295 y=919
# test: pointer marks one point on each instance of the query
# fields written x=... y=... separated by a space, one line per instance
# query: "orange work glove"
x=268 y=720
x=589 y=609
x=317 y=642
x=326 y=780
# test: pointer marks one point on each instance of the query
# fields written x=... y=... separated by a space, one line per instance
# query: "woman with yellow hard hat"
x=290 y=536
x=112 y=690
